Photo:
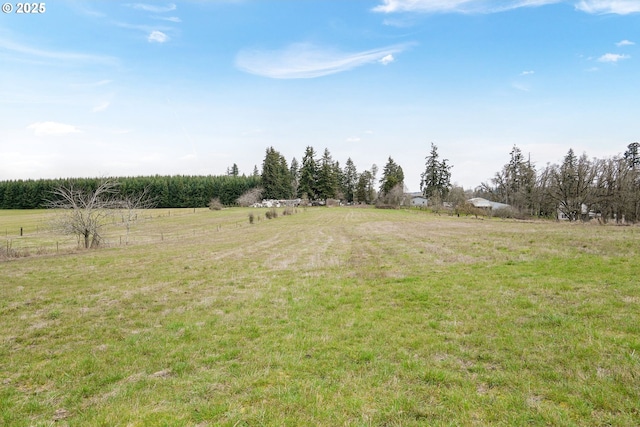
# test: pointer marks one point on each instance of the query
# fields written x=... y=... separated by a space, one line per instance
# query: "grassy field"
x=329 y=317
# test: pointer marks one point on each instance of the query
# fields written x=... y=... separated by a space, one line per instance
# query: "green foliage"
x=392 y=176
x=327 y=181
x=632 y=155
x=365 y=193
x=178 y=191
x=436 y=179
x=349 y=180
x=515 y=185
x=276 y=177
x=307 y=185
x=294 y=171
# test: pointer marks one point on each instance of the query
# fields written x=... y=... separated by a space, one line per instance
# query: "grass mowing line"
x=328 y=317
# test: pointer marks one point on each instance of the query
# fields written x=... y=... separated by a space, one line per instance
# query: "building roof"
x=479 y=202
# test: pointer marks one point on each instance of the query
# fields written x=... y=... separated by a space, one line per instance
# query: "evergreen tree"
x=308 y=175
x=392 y=175
x=363 y=193
x=632 y=155
x=350 y=180
x=276 y=180
x=436 y=179
x=372 y=182
x=515 y=184
x=294 y=171
x=365 y=187
x=327 y=182
x=340 y=190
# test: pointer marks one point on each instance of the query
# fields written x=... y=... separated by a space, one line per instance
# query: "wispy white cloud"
x=101 y=107
x=143 y=28
x=612 y=57
x=303 y=61
x=353 y=139
x=457 y=6
x=619 y=7
x=169 y=19
x=625 y=43
x=22 y=49
x=523 y=84
x=153 y=8
x=52 y=128
x=157 y=37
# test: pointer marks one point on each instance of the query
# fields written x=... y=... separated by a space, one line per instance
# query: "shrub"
x=470 y=209
x=251 y=218
x=215 y=204
x=392 y=199
x=271 y=213
x=385 y=206
x=507 y=213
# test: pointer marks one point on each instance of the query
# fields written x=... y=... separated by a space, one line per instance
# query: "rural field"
x=328 y=317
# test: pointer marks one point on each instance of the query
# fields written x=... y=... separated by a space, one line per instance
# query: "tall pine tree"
x=308 y=175
x=327 y=182
x=350 y=180
x=392 y=175
x=276 y=178
x=436 y=179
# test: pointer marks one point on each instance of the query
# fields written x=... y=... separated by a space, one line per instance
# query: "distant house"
x=584 y=211
x=417 y=199
x=479 y=202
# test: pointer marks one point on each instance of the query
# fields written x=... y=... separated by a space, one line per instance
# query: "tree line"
x=321 y=177
x=180 y=191
x=578 y=188
x=314 y=178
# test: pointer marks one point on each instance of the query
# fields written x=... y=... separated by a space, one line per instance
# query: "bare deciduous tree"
x=85 y=212
x=131 y=207
x=393 y=198
x=572 y=186
x=250 y=197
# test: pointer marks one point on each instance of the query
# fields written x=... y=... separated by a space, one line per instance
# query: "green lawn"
x=331 y=316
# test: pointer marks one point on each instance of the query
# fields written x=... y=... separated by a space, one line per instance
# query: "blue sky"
x=111 y=88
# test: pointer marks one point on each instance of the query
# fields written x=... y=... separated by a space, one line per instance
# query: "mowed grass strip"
x=327 y=317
